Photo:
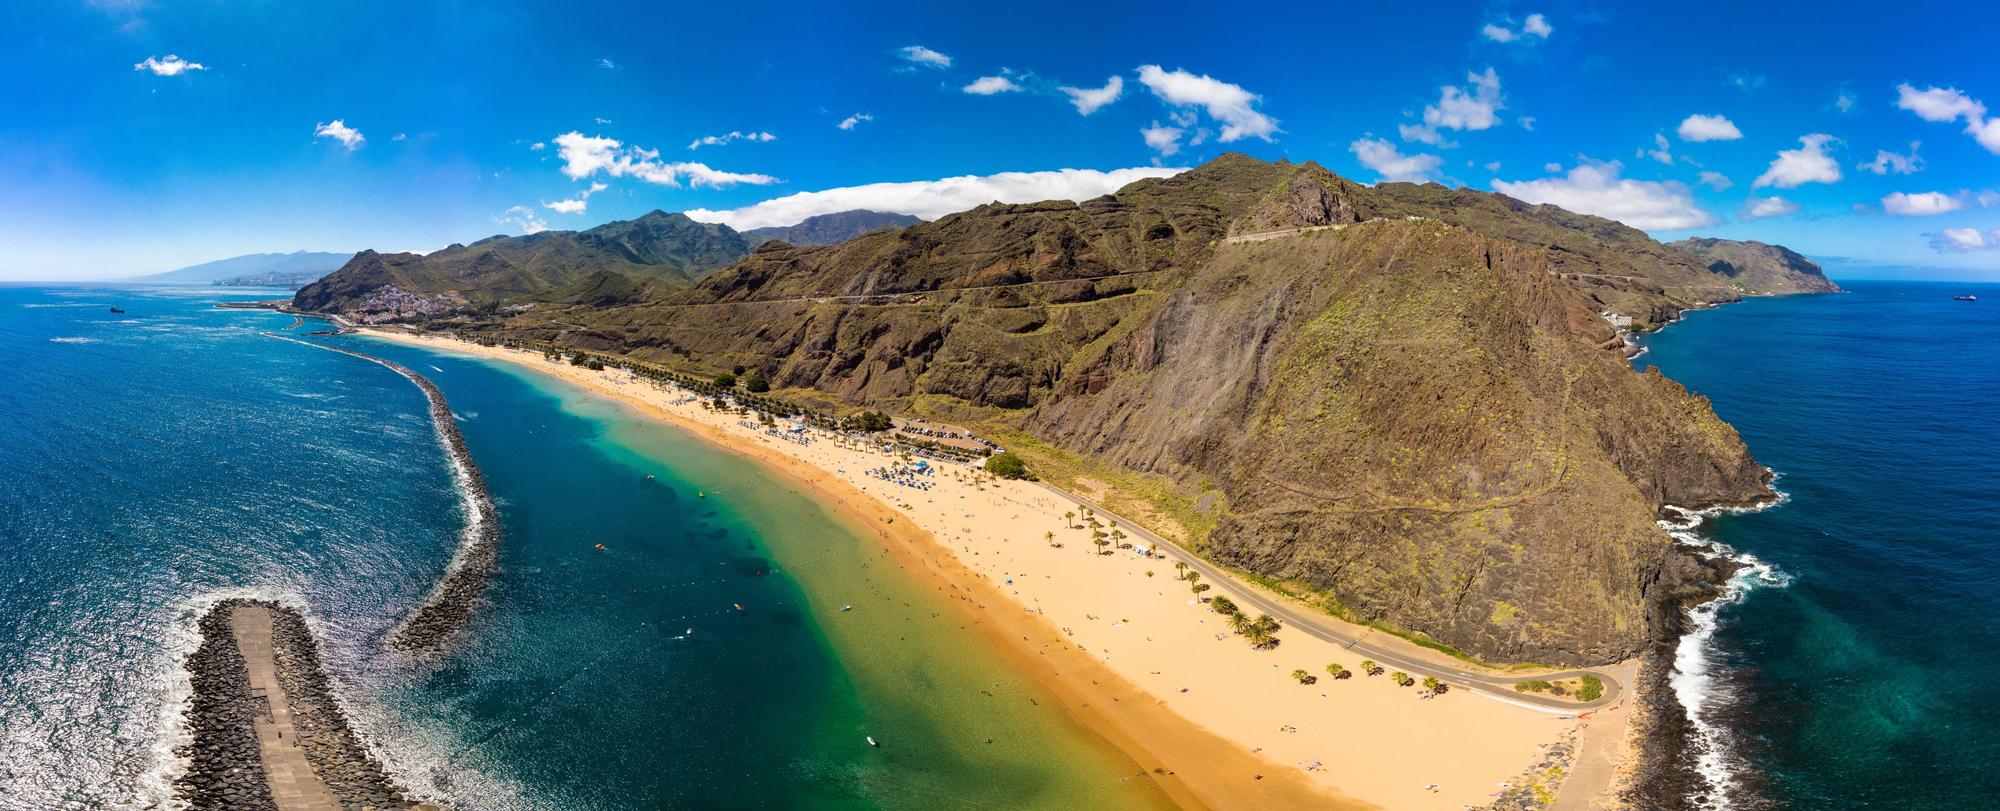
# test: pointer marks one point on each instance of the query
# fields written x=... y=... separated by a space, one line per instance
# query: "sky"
x=139 y=136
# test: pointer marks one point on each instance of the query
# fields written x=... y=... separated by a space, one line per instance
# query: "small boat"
x=871 y=740
x=739 y=606
x=649 y=477
x=118 y=310
x=1953 y=298
x=700 y=494
x=847 y=608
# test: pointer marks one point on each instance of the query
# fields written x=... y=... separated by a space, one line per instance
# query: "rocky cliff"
x=1757 y=268
x=1404 y=396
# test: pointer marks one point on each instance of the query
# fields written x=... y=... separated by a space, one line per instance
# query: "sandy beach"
x=1135 y=657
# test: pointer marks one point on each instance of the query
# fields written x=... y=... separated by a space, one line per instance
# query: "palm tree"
x=1432 y=685
x=1101 y=543
x=1263 y=632
x=1192 y=577
x=1201 y=587
x=1303 y=677
x=1069 y=519
x=1337 y=671
x=1050 y=537
x=1224 y=606
x=1369 y=667
x=1180 y=567
x=1401 y=678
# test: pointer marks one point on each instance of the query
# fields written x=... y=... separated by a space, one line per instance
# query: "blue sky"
x=1853 y=133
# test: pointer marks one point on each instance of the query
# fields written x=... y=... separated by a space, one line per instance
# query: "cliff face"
x=1414 y=403
x=1757 y=267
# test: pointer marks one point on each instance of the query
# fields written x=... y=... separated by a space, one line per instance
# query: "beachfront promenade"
x=1499 y=687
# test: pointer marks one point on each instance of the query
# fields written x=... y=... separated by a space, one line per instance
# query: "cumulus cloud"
x=990 y=85
x=1796 y=167
x=538 y=146
x=732 y=135
x=920 y=55
x=524 y=218
x=1459 y=109
x=1964 y=240
x=1716 y=180
x=606 y=64
x=1552 y=167
x=1089 y=99
x=1709 y=128
x=1747 y=82
x=339 y=131
x=1535 y=26
x=1887 y=162
x=1945 y=105
x=1845 y=101
x=1757 y=208
x=577 y=204
x=1164 y=140
x=1596 y=188
x=931 y=199
x=584 y=156
x=1661 y=151
x=170 y=66
x=1381 y=156
x=1922 y=204
x=851 y=121
x=1227 y=103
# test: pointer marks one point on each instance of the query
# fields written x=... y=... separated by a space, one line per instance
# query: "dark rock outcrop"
x=1756 y=267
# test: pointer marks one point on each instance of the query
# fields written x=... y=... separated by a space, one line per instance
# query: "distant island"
x=255 y=270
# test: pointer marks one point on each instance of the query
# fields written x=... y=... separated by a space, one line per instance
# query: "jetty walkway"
x=294 y=785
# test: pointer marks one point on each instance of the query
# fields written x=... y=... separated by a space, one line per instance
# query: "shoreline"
x=1226 y=731
x=448 y=607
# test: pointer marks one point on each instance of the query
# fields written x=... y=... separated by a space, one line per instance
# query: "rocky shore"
x=225 y=769
x=450 y=605
x=1662 y=775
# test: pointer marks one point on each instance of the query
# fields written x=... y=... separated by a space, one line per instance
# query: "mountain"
x=1404 y=402
x=829 y=229
x=1757 y=267
x=275 y=269
x=619 y=262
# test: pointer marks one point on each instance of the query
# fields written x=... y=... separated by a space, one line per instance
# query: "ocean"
x=154 y=461
x=1855 y=669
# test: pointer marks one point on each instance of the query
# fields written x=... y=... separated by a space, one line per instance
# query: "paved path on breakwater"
x=294 y=785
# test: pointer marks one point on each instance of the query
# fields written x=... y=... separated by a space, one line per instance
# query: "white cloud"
x=339 y=131
x=602 y=120
x=1552 y=167
x=1459 y=109
x=1709 y=128
x=1989 y=198
x=1922 y=204
x=1596 y=188
x=920 y=55
x=524 y=218
x=1492 y=166
x=1747 y=82
x=849 y=122
x=1962 y=240
x=575 y=205
x=1807 y=164
x=1939 y=104
x=537 y=146
x=1164 y=140
x=584 y=156
x=606 y=64
x=1987 y=133
x=1527 y=122
x=1886 y=162
x=1757 y=208
x=170 y=66
x=1716 y=180
x=401 y=136
x=990 y=85
x=1535 y=25
x=932 y=199
x=1227 y=103
x=1384 y=159
x=1089 y=99
x=732 y=135
x=1660 y=152
x=1845 y=101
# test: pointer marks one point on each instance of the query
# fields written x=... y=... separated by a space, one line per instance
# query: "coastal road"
x=1499 y=687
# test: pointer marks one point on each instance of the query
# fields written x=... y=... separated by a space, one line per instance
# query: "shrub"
x=725 y=381
x=1006 y=466
x=736 y=370
x=1532 y=686
x=757 y=384
x=1592 y=689
x=1224 y=606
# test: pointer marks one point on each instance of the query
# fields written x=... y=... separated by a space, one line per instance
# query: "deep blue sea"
x=154 y=461
x=1868 y=679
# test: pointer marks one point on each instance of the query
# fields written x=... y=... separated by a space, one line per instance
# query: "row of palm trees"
x=1099 y=537
x=1431 y=683
x=1261 y=631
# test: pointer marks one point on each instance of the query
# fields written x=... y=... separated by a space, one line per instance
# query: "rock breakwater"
x=450 y=605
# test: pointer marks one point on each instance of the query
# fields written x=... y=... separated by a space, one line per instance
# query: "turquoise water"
x=1869 y=680
x=166 y=457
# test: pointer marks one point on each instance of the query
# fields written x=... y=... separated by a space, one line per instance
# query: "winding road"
x=1499 y=687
